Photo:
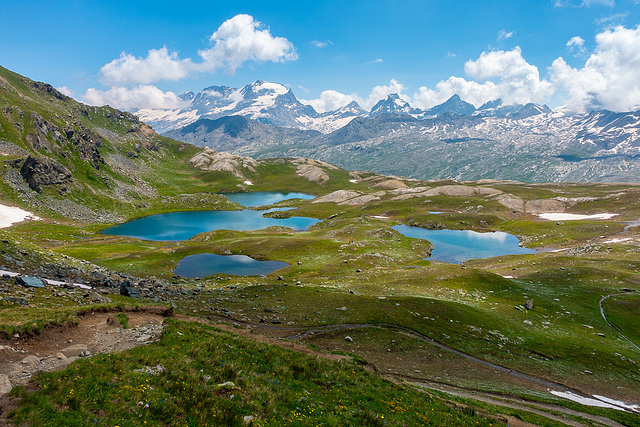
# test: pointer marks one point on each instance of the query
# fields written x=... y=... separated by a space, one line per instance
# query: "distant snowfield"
x=10 y=215
x=574 y=217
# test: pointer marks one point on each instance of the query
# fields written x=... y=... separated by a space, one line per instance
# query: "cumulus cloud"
x=241 y=39
x=142 y=96
x=65 y=91
x=236 y=41
x=160 y=64
x=497 y=74
x=610 y=78
x=331 y=100
x=504 y=34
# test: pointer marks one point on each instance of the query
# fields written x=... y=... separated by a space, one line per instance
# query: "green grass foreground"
x=201 y=376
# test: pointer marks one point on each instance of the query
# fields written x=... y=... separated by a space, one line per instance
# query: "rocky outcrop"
x=212 y=160
x=42 y=172
x=348 y=197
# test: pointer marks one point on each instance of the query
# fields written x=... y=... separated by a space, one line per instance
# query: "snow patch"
x=379 y=217
x=618 y=240
x=597 y=401
x=574 y=217
x=247 y=182
x=10 y=215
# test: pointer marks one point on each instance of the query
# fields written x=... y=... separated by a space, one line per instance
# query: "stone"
x=60 y=356
x=528 y=322
x=348 y=339
x=76 y=350
x=96 y=297
x=30 y=281
x=276 y=321
x=40 y=172
x=128 y=290
x=248 y=419
x=529 y=304
x=17 y=300
x=342 y=309
x=5 y=384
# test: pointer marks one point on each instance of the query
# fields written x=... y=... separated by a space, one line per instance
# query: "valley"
x=361 y=328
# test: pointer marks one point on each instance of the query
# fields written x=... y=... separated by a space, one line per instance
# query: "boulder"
x=5 y=384
x=76 y=350
x=41 y=172
x=30 y=281
x=529 y=304
x=128 y=290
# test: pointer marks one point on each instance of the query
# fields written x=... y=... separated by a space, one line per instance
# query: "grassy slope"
x=471 y=309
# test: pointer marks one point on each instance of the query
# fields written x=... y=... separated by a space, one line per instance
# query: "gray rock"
x=5 y=384
x=17 y=300
x=30 y=281
x=276 y=321
x=44 y=171
x=96 y=297
x=74 y=350
x=529 y=304
x=348 y=339
x=128 y=290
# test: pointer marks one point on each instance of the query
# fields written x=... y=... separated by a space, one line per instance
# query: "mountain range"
x=453 y=140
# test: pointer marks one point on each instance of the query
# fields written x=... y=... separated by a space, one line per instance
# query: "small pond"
x=184 y=225
x=263 y=198
x=203 y=265
x=457 y=246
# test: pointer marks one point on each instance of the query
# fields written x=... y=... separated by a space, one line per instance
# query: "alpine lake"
x=450 y=246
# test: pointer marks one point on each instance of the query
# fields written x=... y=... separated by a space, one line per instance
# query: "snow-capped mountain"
x=269 y=103
x=393 y=104
x=451 y=140
x=275 y=104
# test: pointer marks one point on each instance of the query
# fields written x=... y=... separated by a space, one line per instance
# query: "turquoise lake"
x=263 y=198
x=184 y=225
x=457 y=246
x=203 y=265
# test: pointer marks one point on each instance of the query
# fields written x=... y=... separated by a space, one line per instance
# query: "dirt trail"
x=96 y=333
x=56 y=348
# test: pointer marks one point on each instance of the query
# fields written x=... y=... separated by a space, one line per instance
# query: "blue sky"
x=330 y=52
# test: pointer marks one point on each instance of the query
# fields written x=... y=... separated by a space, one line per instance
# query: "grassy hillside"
x=462 y=328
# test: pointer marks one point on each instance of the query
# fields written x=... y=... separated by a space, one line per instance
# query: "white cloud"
x=321 y=44
x=160 y=64
x=241 y=39
x=143 y=96
x=375 y=61
x=576 y=45
x=504 y=34
x=382 y=91
x=497 y=74
x=65 y=91
x=330 y=99
x=612 y=20
x=610 y=78
x=236 y=41
x=584 y=3
x=576 y=41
